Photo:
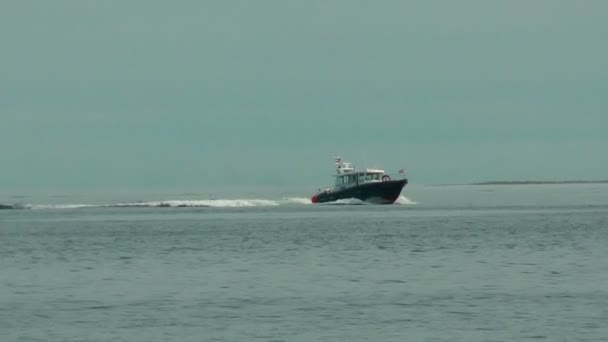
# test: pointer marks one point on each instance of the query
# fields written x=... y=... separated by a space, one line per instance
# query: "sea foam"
x=208 y=203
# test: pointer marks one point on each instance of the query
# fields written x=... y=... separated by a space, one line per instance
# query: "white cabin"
x=347 y=176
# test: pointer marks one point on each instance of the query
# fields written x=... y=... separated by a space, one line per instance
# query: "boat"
x=370 y=185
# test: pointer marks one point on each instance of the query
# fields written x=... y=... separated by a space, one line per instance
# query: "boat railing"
x=396 y=176
x=391 y=176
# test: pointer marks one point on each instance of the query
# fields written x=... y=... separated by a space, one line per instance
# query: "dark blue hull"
x=378 y=192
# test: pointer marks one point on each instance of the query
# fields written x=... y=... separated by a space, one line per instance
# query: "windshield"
x=372 y=176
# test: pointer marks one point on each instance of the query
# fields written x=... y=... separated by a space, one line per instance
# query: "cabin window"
x=349 y=179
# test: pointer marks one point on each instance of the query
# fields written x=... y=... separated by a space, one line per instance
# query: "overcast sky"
x=194 y=93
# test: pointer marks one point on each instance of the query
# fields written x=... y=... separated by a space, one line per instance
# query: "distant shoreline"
x=542 y=182
x=529 y=183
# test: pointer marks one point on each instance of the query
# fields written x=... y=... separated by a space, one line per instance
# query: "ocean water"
x=460 y=263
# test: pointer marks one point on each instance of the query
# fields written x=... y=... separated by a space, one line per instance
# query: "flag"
x=337 y=160
x=402 y=171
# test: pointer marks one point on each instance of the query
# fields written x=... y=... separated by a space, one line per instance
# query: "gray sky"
x=197 y=93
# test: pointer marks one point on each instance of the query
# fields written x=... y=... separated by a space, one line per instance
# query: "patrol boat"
x=369 y=185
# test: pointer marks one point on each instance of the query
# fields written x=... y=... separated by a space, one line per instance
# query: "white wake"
x=208 y=203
